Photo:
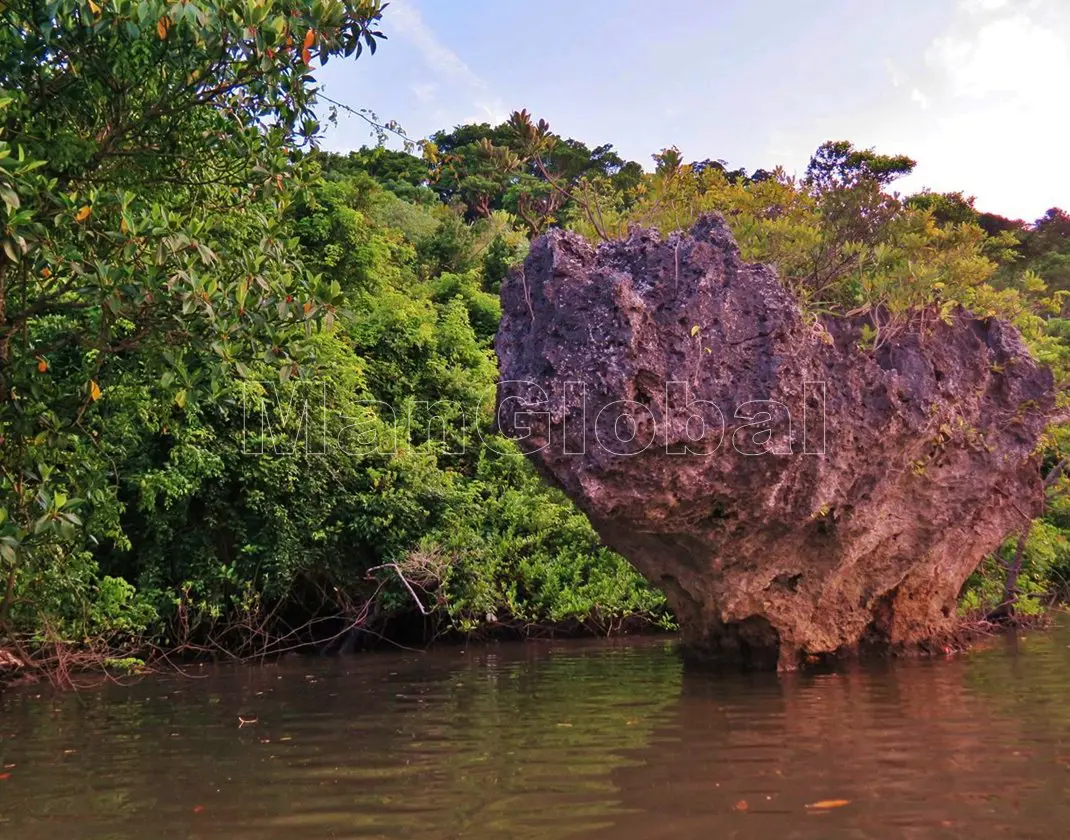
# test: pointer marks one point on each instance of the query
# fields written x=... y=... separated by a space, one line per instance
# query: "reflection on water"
x=546 y=741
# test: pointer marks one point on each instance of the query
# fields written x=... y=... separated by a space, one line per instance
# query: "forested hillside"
x=182 y=272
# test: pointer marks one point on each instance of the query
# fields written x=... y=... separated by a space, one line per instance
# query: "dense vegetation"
x=246 y=387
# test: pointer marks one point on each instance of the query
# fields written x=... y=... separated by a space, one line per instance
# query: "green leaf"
x=10 y=199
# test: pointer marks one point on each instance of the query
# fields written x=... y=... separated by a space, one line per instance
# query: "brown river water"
x=548 y=740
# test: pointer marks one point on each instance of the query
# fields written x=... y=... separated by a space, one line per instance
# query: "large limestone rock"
x=793 y=490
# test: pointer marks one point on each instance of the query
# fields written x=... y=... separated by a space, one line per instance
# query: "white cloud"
x=1016 y=55
x=408 y=24
x=981 y=107
x=994 y=118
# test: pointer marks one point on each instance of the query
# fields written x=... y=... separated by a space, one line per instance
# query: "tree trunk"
x=1006 y=609
x=1010 y=586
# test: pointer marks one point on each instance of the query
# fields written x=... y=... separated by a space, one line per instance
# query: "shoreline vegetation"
x=77 y=667
x=175 y=252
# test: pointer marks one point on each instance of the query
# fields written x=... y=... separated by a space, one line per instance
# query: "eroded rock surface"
x=792 y=491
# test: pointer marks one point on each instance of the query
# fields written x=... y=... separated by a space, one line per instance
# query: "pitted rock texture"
x=792 y=489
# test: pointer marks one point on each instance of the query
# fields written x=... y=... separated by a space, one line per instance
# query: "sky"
x=977 y=91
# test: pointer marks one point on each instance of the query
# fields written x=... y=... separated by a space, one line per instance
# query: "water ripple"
x=549 y=741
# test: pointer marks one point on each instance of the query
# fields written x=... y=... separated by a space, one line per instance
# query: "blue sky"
x=975 y=90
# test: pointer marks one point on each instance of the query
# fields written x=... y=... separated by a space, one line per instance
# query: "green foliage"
x=402 y=174
x=276 y=496
x=501 y=255
x=146 y=171
x=838 y=166
x=525 y=556
x=483 y=309
x=523 y=167
x=1044 y=574
x=451 y=247
x=946 y=208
